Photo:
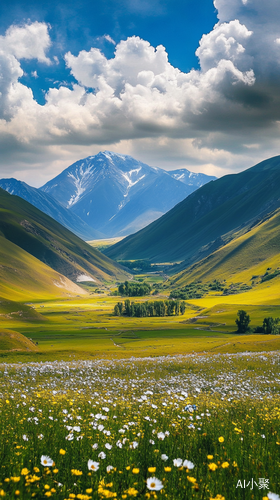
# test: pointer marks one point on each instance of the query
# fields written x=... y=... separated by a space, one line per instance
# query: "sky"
x=173 y=83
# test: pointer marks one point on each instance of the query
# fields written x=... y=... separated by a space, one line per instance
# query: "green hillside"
x=14 y=341
x=23 y=277
x=208 y=218
x=252 y=258
x=28 y=229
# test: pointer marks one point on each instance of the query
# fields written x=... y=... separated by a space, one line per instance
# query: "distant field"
x=105 y=242
x=84 y=327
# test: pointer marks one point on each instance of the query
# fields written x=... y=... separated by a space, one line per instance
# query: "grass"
x=112 y=429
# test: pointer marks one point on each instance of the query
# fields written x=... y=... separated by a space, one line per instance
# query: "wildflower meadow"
x=200 y=427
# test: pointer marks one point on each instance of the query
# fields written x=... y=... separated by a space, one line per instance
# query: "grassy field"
x=95 y=406
x=179 y=427
x=85 y=327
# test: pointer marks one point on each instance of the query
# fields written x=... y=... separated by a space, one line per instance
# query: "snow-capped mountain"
x=191 y=178
x=119 y=195
x=51 y=207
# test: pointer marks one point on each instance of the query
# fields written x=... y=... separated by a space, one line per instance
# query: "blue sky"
x=172 y=83
x=80 y=25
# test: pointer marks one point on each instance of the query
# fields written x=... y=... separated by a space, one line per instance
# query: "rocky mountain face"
x=119 y=195
x=51 y=207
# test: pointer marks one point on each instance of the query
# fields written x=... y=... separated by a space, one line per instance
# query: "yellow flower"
x=48 y=494
x=2 y=493
x=212 y=466
x=210 y=457
x=89 y=490
x=62 y=452
x=47 y=487
x=167 y=469
x=128 y=467
x=225 y=465
x=15 y=479
x=218 y=497
x=17 y=492
x=132 y=492
x=152 y=469
x=221 y=439
x=135 y=470
x=191 y=479
x=24 y=471
x=234 y=464
x=76 y=472
x=36 y=469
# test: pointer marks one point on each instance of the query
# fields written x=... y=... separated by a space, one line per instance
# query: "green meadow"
x=84 y=326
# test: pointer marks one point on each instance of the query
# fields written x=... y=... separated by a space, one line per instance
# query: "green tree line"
x=149 y=308
x=270 y=325
x=132 y=289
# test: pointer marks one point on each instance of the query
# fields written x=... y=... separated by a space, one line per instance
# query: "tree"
x=268 y=325
x=182 y=307
x=242 y=321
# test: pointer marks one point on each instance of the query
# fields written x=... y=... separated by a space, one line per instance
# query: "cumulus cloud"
x=229 y=107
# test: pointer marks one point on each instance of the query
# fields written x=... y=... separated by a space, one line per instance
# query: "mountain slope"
x=117 y=194
x=196 y=227
x=23 y=277
x=51 y=207
x=42 y=237
x=246 y=258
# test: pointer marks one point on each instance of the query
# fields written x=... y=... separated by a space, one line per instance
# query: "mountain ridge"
x=110 y=191
x=200 y=221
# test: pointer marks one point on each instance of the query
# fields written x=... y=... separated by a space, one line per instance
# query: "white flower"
x=133 y=445
x=263 y=436
x=93 y=465
x=109 y=468
x=95 y=446
x=100 y=427
x=119 y=444
x=164 y=457
x=77 y=428
x=121 y=431
x=188 y=464
x=24 y=437
x=40 y=436
x=102 y=455
x=70 y=437
x=108 y=446
x=151 y=441
x=161 y=435
x=177 y=462
x=154 y=484
x=46 y=461
x=273 y=496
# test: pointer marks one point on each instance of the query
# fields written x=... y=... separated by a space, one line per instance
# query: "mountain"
x=253 y=257
x=208 y=218
x=24 y=228
x=51 y=207
x=119 y=195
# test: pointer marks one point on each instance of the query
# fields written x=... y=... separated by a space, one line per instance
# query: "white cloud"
x=30 y=41
x=228 y=108
x=109 y=39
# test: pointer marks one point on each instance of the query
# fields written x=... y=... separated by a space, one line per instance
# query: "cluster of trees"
x=136 y=265
x=150 y=308
x=132 y=289
x=270 y=325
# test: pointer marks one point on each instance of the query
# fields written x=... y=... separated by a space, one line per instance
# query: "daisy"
x=189 y=465
x=154 y=484
x=46 y=461
x=177 y=462
x=93 y=465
